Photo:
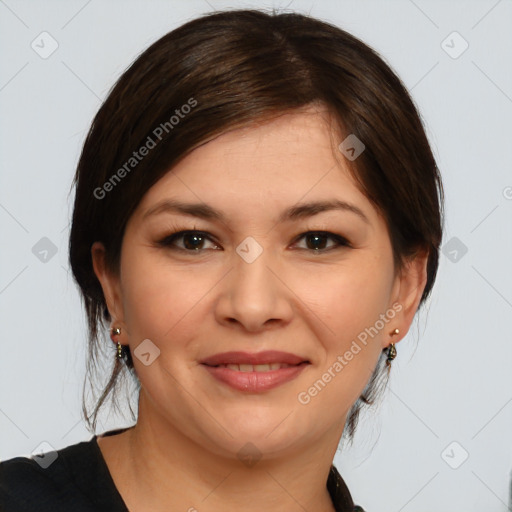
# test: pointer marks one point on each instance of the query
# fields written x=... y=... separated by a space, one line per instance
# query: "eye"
x=316 y=241
x=192 y=241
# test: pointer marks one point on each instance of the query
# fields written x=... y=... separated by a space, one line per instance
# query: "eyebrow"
x=300 y=211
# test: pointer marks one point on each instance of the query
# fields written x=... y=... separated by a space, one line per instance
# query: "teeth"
x=255 y=368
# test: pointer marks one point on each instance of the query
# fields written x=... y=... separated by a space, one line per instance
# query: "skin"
x=182 y=453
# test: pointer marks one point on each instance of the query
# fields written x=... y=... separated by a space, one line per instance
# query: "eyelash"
x=169 y=240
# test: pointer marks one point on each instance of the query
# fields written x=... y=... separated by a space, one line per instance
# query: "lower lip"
x=255 y=381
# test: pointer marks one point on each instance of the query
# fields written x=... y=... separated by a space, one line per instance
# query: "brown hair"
x=233 y=69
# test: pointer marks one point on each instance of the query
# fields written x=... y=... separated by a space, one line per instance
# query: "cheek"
x=350 y=305
x=157 y=297
x=347 y=298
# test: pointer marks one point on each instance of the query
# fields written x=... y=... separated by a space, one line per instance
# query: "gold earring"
x=120 y=350
x=116 y=331
x=392 y=349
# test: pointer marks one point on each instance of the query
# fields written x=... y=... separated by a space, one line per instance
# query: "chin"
x=270 y=432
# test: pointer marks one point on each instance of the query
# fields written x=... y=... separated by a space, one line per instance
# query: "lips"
x=255 y=373
x=255 y=367
x=246 y=359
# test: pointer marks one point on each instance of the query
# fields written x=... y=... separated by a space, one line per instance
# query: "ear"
x=408 y=289
x=109 y=283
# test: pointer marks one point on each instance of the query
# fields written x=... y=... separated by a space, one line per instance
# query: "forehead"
x=296 y=139
x=274 y=164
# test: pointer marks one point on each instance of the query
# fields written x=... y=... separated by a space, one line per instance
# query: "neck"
x=165 y=469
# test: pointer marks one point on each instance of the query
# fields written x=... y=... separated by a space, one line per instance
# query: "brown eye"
x=192 y=241
x=317 y=241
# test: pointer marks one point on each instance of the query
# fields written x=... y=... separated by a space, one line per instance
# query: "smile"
x=255 y=378
x=255 y=368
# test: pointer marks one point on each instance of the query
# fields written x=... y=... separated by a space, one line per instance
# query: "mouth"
x=255 y=372
x=259 y=361
x=256 y=367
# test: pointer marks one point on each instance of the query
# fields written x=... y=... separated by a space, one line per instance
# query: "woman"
x=257 y=221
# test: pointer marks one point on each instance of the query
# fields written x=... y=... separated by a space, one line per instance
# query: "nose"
x=254 y=296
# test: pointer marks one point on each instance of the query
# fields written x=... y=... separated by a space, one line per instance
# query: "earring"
x=116 y=331
x=120 y=351
x=392 y=349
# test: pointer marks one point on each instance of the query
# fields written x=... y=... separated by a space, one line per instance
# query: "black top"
x=78 y=480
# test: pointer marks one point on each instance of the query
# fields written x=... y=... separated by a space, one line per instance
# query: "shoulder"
x=72 y=478
x=22 y=484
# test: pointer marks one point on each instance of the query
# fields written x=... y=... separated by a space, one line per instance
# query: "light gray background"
x=452 y=379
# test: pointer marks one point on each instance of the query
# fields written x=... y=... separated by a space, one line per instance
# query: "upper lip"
x=266 y=357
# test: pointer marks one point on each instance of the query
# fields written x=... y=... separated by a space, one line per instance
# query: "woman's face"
x=256 y=277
